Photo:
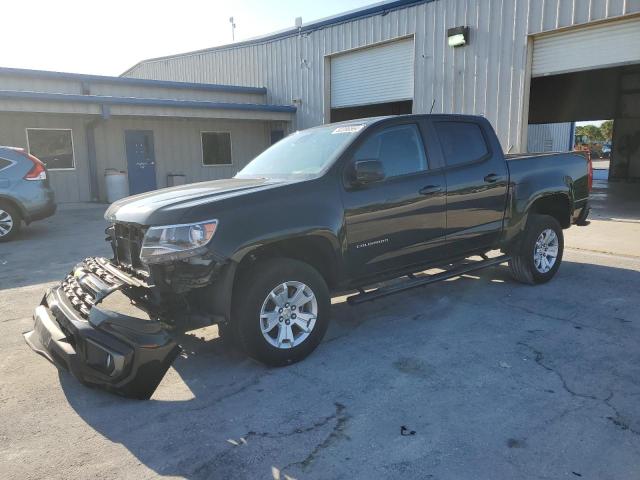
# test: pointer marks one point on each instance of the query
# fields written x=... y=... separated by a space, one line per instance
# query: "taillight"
x=38 y=171
x=590 y=172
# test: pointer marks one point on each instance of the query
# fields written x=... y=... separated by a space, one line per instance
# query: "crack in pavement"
x=618 y=420
x=539 y=359
x=553 y=317
x=205 y=469
x=206 y=405
x=297 y=431
x=336 y=433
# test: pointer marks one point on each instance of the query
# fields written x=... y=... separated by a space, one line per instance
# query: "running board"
x=414 y=281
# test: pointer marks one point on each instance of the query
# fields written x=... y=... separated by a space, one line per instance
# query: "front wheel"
x=281 y=311
x=540 y=253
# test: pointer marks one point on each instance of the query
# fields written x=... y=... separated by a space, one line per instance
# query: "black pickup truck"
x=328 y=210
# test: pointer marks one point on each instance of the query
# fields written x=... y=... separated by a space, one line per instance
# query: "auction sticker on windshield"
x=348 y=129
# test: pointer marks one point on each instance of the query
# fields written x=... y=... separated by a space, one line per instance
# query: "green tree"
x=606 y=130
x=591 y=131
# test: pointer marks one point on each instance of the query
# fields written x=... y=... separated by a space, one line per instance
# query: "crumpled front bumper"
x=125 y=355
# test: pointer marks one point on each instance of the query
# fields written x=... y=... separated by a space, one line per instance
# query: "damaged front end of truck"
x=76 y=328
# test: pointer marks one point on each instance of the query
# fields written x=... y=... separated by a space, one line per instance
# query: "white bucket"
x=116 y=185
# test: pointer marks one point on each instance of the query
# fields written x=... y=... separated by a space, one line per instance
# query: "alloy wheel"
x=288 y=314
x=6 y=223
x=545 y=251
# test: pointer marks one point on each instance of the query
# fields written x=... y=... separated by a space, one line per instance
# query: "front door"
x=141 y=161
x=400 y=220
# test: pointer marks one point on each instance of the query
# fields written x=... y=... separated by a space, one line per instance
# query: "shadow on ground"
x=46 y=251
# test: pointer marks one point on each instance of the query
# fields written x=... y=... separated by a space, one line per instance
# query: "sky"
x=597 y=123
x=108 y=37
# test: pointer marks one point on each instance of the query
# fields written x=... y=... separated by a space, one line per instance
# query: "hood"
x=172 y=205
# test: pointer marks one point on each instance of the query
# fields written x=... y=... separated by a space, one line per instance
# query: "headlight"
x=173 y=242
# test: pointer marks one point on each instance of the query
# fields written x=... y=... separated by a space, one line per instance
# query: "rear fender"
x=523 y=203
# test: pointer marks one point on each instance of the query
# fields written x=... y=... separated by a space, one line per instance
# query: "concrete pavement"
x=496 y=379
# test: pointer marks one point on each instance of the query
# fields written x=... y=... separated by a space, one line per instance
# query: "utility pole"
x=233 y=29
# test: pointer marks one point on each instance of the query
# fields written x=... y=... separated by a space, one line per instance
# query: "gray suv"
x=25 y=194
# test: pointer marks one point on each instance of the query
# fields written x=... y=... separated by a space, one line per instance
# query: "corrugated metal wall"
x=487 y=77
x=178 y=147
x=28 y=83
x=549 y=137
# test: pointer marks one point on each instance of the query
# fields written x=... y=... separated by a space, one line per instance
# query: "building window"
x=53 y=146
x=216 y=148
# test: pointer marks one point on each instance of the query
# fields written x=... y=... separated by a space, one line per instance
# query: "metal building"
x=550 y=137
x=418 y=56
x=159 y=132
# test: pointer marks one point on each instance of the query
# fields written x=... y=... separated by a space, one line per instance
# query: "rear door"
x=398 y=221
x=476 y=177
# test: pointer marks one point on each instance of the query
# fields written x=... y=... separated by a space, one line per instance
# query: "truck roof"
x=371 y=120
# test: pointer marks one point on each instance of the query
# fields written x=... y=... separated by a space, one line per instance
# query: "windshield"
x=304 y=153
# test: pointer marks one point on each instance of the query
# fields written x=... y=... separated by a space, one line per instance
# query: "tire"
x=260 y=304
x=227 y=334
x=10 y=222
x=523 y=265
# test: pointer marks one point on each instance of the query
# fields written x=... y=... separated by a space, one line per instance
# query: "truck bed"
x=524 y=168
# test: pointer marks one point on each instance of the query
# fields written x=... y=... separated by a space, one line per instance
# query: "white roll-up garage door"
x=373 y=75
x=604 y=45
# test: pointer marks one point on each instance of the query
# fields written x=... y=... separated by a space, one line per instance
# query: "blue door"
x=141 y=161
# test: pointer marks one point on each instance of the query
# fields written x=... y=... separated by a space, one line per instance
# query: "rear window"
x=462 y=142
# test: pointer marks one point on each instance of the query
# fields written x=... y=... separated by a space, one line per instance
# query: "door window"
x=462 y=142
x=399 y=148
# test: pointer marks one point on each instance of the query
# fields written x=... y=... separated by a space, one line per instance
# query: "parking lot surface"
x=495 y=380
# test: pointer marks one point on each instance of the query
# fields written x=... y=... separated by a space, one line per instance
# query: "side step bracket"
x=414 y=281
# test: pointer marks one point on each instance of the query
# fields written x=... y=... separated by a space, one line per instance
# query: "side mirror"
x=368 y=171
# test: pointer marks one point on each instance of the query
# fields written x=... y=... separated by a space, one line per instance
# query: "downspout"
x=92 y=158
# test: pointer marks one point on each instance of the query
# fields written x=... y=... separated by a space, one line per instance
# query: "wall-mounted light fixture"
x=458 y=36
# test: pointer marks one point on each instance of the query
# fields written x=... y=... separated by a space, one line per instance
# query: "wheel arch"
x=315 y=249
x=15 y=204
x=556 y=205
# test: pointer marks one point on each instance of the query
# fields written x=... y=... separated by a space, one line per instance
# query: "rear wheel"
x=10 y=222
x=540 y=253
x=281 y=311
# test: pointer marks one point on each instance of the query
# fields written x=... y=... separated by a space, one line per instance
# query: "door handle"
x=491 y=178
x=430 y=189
